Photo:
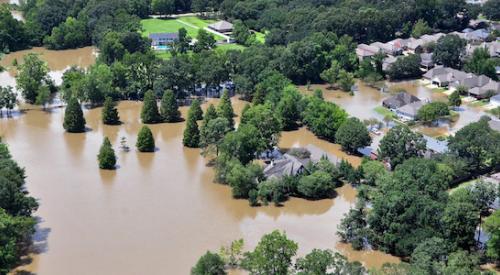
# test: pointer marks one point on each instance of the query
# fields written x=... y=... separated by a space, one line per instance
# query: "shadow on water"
x=108 y=176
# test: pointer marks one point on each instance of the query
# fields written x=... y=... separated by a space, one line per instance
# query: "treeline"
x=411 y=212
x=274 y=254
x=16 y=223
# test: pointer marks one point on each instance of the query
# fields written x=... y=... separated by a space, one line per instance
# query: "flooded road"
x=57 y=61
x=158 y=212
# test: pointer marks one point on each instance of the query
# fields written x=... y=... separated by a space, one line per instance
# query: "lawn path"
x=187 y=24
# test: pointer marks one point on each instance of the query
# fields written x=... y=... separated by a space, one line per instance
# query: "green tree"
x=345 y=80
x=352 y=134
x=317 y=185
x=8 y=98
x=243 y=144
x=405 y=67
x=449 y=51
x=420 y=28
x=331 y=74
x=400 y=144
x=163 y=7
x=492 y=227
x=210 y=114
x=145 y=140
x=43 y=97
x=110 y=113
x=182 y=44
x=491 y=9
x=352 y=227
x=454 y=99
x=462 y=262
x=74 y=122
x=209 y=264
x=70 y=34
x=205 y=41
x=373 y=170
x=429 y=255
x=191 y=133
x=323 y=118
x=149 y=112
x=460 y=221
x=225 y=109
x=32 y=76
x=325 y=262
x=432 y=111
x=244 y=178
x=212 y=134
x=266 y=121
x=168 y=107
x=289 y=108
x=195 y=110
x=106 y=156
x=273 y=255
x=241 y=32
x=481 y=63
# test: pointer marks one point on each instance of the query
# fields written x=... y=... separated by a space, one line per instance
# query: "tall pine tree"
x=110 y=113
x=225 y=109
x=149 y=112
x=191 y=133
x=106 y=156
x=168 y=107
x=74 y=122
x=195 y=110
x=145 y=140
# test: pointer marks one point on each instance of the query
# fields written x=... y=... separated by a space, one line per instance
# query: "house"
x=472 y=81
x=161 y=41
x=435 y=146
x=489 y=89
x=368 y=152
x=414 y=45
x=364 y=51
x=476 y=36
x=443 y=76
x=287 y=166
x=426 y=62
x=399 y=100
x=495 y=100
x=221 y=26
x=494 y=124
x=409 y=111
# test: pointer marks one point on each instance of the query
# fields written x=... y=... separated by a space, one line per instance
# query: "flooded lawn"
x=363 y=103
x=159 y=211
x=57 y=61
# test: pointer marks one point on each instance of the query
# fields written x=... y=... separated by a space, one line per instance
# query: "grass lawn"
x=196 y=21
x=227 y=47
x=260 y=37
x=462 y=185
x=154 y=25
x=480 y=103
x=384 y=112
x=163 y=54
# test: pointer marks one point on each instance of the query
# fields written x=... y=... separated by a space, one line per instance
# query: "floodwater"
x=57 y=61
x=158 y=212
x=363 y=103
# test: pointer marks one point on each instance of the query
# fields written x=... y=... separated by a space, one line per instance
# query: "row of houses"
x=479 y=86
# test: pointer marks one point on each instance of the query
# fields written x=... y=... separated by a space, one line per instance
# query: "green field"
x=191 y=24
x=260 y=37
x=384 y=111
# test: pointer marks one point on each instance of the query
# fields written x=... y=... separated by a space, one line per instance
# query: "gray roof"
x=426 y=59
x=287 y=166
x=221 y=26
x=437 y=146
x=490 y=86
x=164 y=35
x=411 y=109
x=472 y=81
x=399 y=100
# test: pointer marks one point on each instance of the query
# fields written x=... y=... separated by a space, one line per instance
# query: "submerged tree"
x=168 y=107
x=191 y=133
x=149 y=112
x=106 y=156
x=145 y=140
x=209 y=264
x=195 y=110
x=225 y=109
x=110 y=113
x=74 y=122
x=32 y=77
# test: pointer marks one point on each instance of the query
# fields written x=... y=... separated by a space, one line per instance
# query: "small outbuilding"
x=221 y=26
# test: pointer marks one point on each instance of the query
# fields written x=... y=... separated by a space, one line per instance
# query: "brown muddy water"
x=363 y=103
x=158 y=212
x=57 y=61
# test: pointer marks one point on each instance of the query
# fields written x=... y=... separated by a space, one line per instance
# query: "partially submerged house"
x=399 y=100
x=162 y=41
x=221 y=26
x=409 y=111
x=443 y=76
x=435 y=146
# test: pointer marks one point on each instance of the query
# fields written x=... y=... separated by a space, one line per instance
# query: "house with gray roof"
x=443 y=76
x=435 y=146
x=364 y=51
x=162 y=41
x=287 y=166
x=489 y=89
x=399 y=100
x=472 y=81
x=426 y=62
x=221 y=26
x=409 y=111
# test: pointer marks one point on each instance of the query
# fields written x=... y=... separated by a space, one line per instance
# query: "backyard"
x=191 y=23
